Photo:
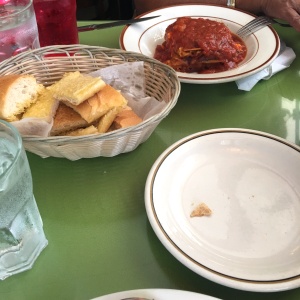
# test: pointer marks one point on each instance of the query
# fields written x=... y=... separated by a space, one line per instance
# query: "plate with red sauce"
x=260 y=49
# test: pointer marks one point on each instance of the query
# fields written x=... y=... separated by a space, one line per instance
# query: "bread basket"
x=48 y=64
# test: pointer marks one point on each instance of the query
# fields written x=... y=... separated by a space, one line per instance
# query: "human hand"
x=288 y=10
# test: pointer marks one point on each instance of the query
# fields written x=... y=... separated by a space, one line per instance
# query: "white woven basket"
x=48 y=64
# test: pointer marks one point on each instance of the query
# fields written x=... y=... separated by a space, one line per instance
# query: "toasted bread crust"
x=66 y=119
x=127 y=117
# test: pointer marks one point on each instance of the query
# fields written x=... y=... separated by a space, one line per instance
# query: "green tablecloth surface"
x=100 y=239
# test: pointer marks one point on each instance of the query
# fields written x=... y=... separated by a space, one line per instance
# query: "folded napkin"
x=284 y=59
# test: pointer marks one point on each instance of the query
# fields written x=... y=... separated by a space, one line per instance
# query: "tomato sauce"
x=200 y=45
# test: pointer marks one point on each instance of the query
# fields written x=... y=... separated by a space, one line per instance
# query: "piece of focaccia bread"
x=75 y=87
x=99 y=104
x=106 y=120
x=44 y=108
x=83 y=131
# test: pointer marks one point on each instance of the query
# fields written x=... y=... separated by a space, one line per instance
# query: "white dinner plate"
x=157 y=294
x=262 y=46
x=250 y=180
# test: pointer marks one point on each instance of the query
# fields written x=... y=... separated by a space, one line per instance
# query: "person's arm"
x=288 y=10
x=143 y=6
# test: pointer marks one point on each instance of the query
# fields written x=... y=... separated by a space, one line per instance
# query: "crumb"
x=201 y=210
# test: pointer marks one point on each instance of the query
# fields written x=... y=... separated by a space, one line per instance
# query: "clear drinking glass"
x=21 y=229
x=18 y=28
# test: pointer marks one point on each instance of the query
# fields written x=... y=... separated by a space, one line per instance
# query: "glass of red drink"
x=56 y=19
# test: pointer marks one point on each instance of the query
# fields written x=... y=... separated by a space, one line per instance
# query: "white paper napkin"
x=284 y=59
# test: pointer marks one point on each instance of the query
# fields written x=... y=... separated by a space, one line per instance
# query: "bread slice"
x=17 y=92
x=66 y=119
x=127 y=117
x=44 y=108
x=99 y=104
x=106 y=120
x=75 y=87
x=83 y=131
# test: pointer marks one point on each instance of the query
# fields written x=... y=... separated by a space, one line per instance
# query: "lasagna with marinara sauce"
x=200 y=45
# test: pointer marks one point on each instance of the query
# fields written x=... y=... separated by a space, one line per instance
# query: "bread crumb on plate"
x=201 y=210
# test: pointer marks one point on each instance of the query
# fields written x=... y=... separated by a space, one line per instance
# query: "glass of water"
x=18 y=28
x=21 y=229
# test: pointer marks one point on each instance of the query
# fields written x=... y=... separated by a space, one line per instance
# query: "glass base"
x=22 y=257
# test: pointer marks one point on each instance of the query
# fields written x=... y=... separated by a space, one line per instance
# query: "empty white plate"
x=250 y=180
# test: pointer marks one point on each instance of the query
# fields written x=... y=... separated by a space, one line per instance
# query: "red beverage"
x=56 y=20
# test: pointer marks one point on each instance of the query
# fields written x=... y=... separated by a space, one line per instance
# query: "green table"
x=100 y=240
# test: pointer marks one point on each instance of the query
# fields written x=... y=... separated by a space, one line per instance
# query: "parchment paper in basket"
x=34 y=126
x=129 y=78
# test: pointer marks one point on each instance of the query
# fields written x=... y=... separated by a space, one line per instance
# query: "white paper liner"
x=33 y=126
x=128 y=78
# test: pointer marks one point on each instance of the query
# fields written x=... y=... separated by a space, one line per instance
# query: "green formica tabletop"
x=100 y=239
